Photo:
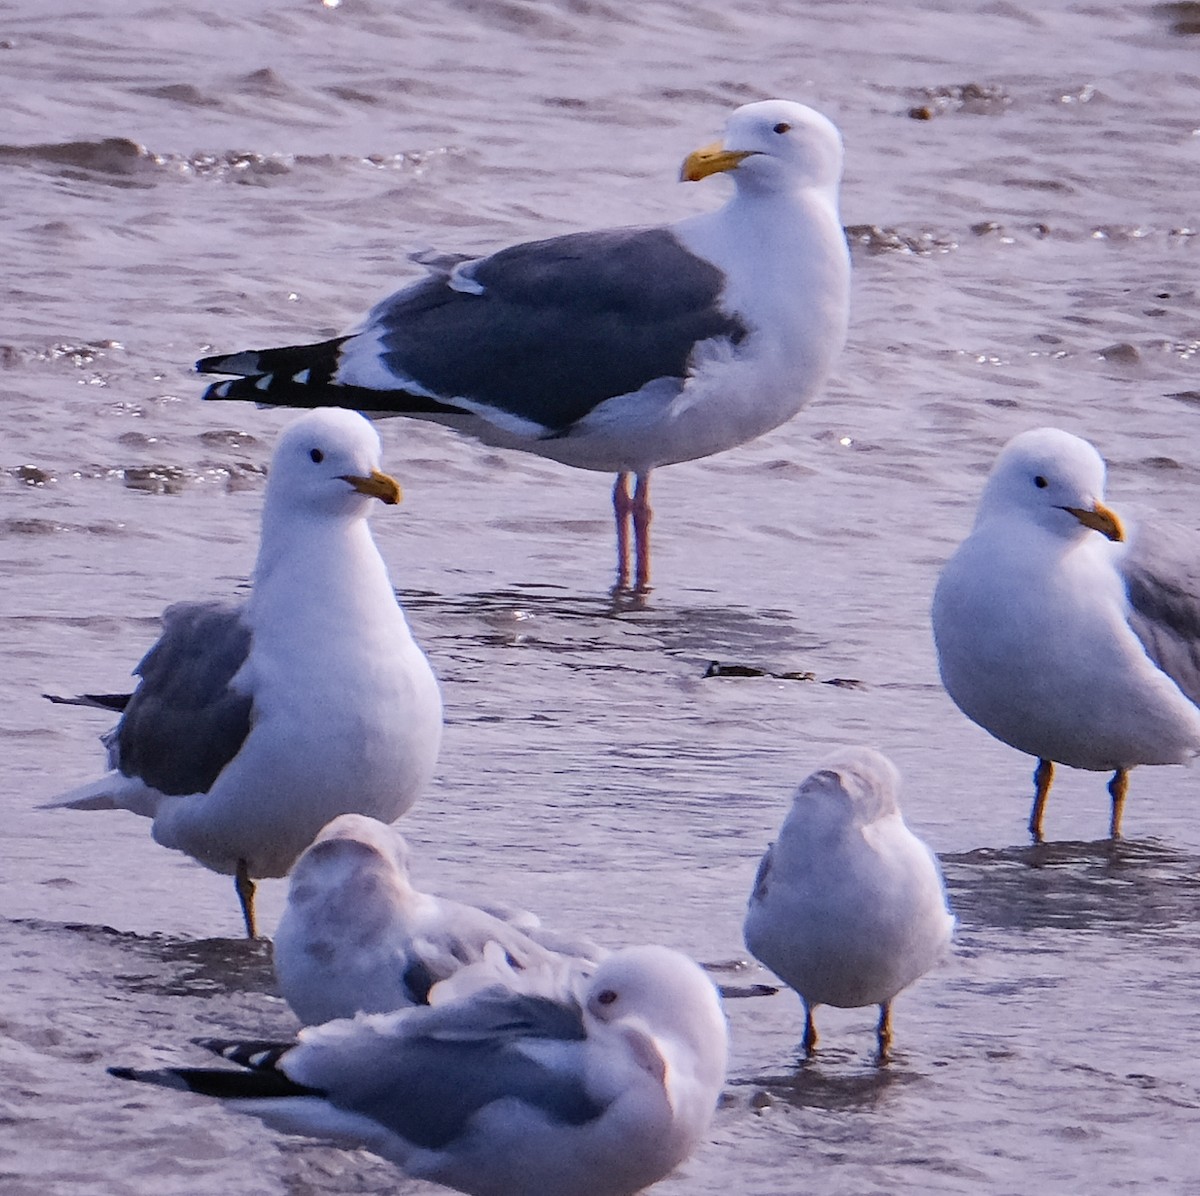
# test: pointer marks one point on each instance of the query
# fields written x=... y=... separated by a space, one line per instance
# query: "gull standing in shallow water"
x=1063 y=637
x=356 y=936
x=254 y=725
x=618 y=350
x=598 y=1092
x=848 y=905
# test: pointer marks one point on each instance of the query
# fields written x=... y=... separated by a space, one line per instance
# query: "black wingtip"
x=220 y=1082
x=258 y=1055
x=212 y=365
x=114 y=702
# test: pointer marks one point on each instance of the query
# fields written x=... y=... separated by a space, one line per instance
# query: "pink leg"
x=622 y=511
x=641 y=530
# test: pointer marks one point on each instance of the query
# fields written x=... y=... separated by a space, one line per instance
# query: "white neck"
x=321 y=569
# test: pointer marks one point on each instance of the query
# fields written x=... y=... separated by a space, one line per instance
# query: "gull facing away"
x=356 y=936
x=617 y=350
x=848 y=905
x=1063 y=637
x=599 y=1092
x=253 y=725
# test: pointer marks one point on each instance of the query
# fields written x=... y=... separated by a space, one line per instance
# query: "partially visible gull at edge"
x=357 y=936
x=253 y=725
x=618 y=350
x=597 y=1091
x=1064 y=634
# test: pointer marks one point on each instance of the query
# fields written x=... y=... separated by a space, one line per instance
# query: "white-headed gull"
x=255 y=724
x=617 y=350
x=1063 y=635
x=595 y=1092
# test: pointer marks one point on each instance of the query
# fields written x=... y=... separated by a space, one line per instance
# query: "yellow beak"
x=1099 y=519
x=378 y=485
x=712 y=159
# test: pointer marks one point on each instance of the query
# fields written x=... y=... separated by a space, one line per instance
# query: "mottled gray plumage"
x=1162 y=575
x=184 y=722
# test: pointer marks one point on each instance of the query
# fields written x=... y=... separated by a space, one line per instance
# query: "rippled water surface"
x=1020 y=194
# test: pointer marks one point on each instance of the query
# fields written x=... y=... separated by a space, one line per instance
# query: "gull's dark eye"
x=1040 y=482
x=316 y=456
x=607 y=997
x=783 y=127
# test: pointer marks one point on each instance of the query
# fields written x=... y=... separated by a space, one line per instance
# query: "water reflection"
x=826 y=1082
x=1129 y=885
x=558 y=620
x=152 y=963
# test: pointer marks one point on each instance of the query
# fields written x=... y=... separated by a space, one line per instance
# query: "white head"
x=327 y=463
x=1052 y=479
x=858 y=785
x=666 y=991
x=773 y=145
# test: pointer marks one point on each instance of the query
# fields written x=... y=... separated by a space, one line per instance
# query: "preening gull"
x=848 y=906
x=1079 y=648
x=598 y=1092
x=254 y=725
x=618 y=350
x=356 y=936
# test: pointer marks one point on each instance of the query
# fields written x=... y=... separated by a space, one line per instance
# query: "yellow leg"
x=1043 y=778
x=245 y=892
x=810 y=1030
x=884 y=1031
x=1118 y=787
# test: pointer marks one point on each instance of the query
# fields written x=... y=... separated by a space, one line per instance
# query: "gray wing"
x=184 y=723
x=543 y=331
x=1161 y=569
x=453 y=1060
x=557 y=326
x=759 y=892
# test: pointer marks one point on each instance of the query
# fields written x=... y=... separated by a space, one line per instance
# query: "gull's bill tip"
x=1100 y=519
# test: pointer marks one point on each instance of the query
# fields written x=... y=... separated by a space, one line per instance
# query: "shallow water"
x=1020 y=194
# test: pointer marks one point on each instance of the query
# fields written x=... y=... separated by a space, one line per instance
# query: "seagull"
x=500 y=1092
x=356 y=936
x=848 y=906
x=1063 y=636
x=255 y=724
x=617 y=350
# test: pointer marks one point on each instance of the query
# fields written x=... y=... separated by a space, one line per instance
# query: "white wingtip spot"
x=462 y=279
